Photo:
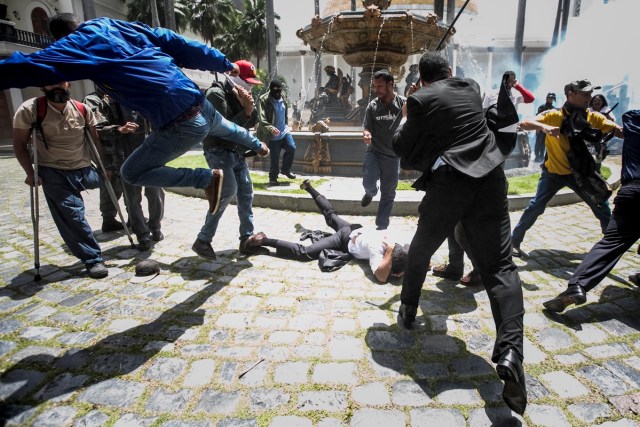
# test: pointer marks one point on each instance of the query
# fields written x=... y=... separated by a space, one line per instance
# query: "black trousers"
x=338 y=240
x=480 y=205
x=622 y=232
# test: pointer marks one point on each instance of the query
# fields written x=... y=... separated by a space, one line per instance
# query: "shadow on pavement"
x=441 y=366
x=113 y=356
x=618 y=310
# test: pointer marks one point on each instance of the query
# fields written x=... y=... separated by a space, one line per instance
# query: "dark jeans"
x=287 y=144
x=623 y=231
x=480 y=205
x=548 y=186
x=63 y=192
x=339 y=240
x=377 y=166
x=155 y=202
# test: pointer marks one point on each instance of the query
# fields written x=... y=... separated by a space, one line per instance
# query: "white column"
x=66 y=6
x=14 y=100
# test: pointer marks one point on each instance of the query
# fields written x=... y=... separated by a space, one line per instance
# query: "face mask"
x=58 y=95
x=276 y=93
x=236 y=80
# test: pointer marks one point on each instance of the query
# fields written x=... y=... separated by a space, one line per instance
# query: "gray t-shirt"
x=379 y=120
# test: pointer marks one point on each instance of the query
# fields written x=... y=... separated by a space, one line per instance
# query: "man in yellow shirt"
x=556 y=171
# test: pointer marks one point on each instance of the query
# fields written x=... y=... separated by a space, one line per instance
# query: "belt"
x=189 y=113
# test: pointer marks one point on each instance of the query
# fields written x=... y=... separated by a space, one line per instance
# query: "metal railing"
x=12 y=35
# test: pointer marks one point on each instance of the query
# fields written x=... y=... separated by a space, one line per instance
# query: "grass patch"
x=517 y=185
x=260 y=179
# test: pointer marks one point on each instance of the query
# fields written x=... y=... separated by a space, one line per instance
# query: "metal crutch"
x=107 y=183
x=35 y=207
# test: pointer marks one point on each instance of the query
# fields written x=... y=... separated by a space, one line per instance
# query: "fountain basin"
x=340 y=153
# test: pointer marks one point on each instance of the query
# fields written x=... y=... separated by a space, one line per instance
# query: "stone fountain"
x=373 y=39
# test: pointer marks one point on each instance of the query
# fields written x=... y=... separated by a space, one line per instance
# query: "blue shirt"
x=278 y=118
x=136 y=65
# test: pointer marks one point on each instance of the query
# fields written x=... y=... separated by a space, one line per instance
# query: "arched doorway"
x=40 y=21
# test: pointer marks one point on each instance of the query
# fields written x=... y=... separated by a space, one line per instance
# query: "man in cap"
x=232 y=98
x=539 y=147
x=556 y=170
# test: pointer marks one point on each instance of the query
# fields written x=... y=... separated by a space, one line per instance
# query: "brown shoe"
x=445 y=272
x=471 y=279
x=253 y=244
x=214 y=190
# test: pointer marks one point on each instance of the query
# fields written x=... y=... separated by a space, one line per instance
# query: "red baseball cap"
x=248 y=72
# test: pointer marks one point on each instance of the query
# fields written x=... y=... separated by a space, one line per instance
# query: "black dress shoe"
x=407 y=316
x=289 y=175
x=510 y=371
x=573 y=295
x=366 y=200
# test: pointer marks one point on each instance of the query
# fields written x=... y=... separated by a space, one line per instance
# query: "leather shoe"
x=510 y=371
x=289 y=175
x=156 y=235
x=253 y=244
x=471 y=279
x=214 y=190
x=573 y=295
x=144 y=243
x=635 y=279
x=111 y=224
x=273 y=184
x=407 y=316
x=366 y=200
x=203 y=249
x=305 y=185
x=445 y=272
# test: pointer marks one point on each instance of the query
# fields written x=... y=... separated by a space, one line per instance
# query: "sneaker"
x=203 y=249
x=156 y=235
x=366 y=200
x=516 y=251
x=97 y=270
x=214 y=190
x=289 y=175
x=144 y=243
x=111 y=224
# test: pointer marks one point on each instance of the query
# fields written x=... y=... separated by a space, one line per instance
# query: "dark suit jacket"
x=446 y=119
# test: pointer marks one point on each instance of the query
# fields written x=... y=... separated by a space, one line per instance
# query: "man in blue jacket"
x=139 y=67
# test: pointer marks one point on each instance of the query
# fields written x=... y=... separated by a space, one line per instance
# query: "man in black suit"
x=446 y=136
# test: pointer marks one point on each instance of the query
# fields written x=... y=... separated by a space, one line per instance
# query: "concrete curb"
x=303 y=203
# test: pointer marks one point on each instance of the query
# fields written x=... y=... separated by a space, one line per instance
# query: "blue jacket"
x=136 y=65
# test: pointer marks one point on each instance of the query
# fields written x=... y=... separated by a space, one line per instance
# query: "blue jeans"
x=387 y=169
x=287 y=144
x=237 y=182
x=548 y=186
x=62 y=190
x=146 y=165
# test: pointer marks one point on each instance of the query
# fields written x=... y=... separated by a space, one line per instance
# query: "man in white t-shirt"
x=385 y=250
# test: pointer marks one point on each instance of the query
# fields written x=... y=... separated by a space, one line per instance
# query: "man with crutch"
x=63 y=167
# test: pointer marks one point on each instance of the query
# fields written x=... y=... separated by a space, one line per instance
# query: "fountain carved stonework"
x=374 y=37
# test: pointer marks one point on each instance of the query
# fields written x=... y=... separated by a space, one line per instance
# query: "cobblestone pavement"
x=260 y=341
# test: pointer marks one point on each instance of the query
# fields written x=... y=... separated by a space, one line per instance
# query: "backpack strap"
x=40 y=107
x=82 y=109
